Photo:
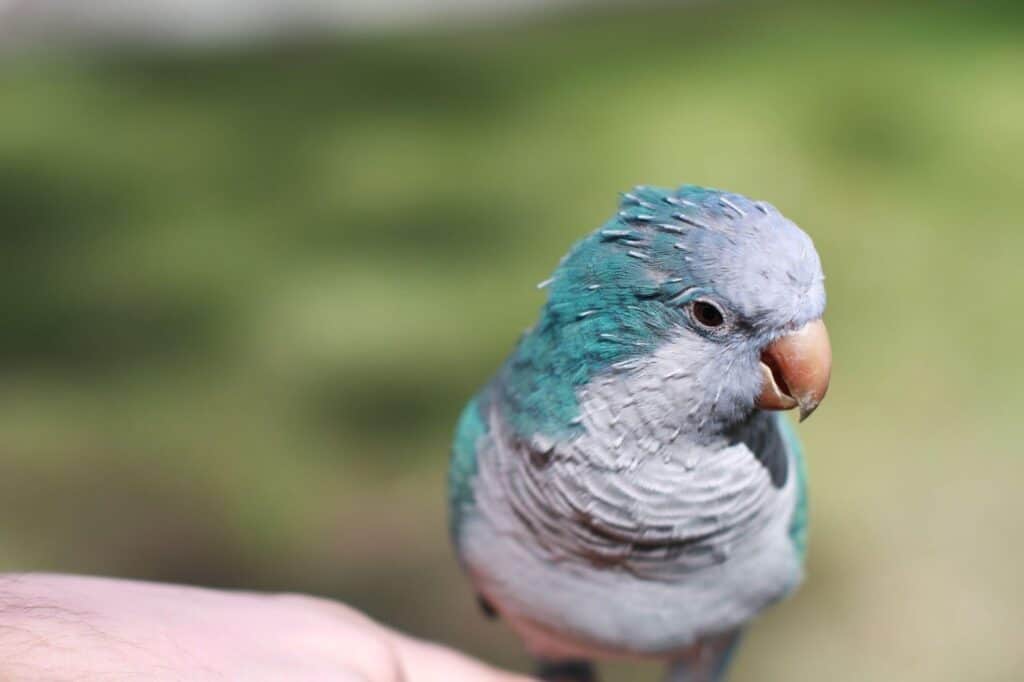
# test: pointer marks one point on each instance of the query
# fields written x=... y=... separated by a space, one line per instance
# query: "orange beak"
x=796 y=370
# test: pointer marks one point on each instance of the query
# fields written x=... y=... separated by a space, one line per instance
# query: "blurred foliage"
x=246 y=292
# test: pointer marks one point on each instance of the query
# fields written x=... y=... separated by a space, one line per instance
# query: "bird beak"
x=796 y=369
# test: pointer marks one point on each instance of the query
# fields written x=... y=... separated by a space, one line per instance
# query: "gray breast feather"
x=639 y=533
x=658 y=516
x=644 y=558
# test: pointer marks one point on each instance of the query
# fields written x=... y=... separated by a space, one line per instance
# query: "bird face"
x=776 y=365
x=757 y=304
x=732 y=289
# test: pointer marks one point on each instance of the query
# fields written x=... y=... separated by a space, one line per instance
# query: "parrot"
x=626 y=485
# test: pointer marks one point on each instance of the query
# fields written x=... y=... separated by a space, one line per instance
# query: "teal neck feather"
x=606 y=305
x=798 y=524
x=470 y=431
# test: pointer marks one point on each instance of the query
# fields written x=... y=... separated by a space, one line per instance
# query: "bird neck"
x=659 y=404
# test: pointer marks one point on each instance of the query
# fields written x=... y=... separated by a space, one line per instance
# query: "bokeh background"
x=246 y=286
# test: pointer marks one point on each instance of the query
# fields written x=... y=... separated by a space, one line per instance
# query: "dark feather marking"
x=486 y=607
x=769 y=449
x=566 y=671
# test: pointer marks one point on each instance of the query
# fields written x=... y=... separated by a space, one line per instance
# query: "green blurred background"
x=245 y=292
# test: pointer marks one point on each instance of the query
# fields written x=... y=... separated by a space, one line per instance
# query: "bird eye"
x=707 y=314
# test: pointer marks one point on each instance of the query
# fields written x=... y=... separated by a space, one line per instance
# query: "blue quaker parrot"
x=625 y=486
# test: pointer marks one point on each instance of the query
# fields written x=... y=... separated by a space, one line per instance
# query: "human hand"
x=62 y=627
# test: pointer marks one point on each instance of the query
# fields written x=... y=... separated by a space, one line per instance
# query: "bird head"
x=724 y=287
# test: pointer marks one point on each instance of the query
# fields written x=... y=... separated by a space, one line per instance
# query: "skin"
x=62 y=627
